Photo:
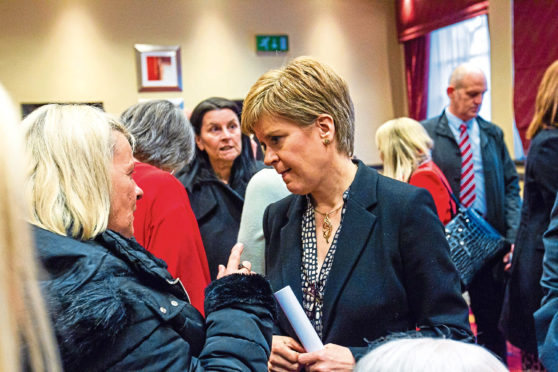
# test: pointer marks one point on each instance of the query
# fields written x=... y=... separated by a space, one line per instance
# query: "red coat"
x=166 y=226
x=430 y=177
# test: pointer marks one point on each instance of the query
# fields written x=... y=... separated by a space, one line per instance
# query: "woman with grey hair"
x=164 y=222
x=426 y=354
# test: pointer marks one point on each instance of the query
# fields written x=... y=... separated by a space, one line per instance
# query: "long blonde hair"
x=546 y=104
x=403 y=144
x=69 y=179
x=24 y=323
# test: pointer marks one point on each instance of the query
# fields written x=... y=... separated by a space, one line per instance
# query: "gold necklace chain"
x=326 y=224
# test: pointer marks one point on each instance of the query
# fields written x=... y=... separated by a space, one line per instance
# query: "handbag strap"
x=455 y=199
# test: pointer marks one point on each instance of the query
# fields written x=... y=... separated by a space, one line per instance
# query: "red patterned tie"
x=467 y=192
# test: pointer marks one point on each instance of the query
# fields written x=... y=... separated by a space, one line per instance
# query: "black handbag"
x=473 y=241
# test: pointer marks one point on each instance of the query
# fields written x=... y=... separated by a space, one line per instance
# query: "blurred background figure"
x=114 y=304
x=164 y=223
x=365 y=255
x=546 y=318
x=429 y=355
x=26 y=337
x=524 y=292
x=472 y=154
x=216 y=179
x=405 y=149
x=264 y=188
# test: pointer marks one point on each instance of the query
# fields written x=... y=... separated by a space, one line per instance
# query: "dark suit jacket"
x=546 y=318
x=501 y=183
x=391 y=271
x=523 y=292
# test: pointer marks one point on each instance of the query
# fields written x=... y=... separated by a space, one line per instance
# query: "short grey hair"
x=163 y=134
x=464 y=69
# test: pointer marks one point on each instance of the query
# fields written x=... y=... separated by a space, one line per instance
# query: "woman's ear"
x=199 y=143
x=326 y=127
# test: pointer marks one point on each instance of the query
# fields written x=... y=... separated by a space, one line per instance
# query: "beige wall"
x=76 y=50
x=501 y=60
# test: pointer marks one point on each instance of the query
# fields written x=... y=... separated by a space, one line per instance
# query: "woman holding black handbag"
x=523 y=292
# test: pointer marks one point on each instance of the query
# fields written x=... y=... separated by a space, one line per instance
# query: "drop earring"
x=326 y=141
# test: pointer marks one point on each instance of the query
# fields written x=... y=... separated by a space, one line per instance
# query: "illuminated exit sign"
x=272 y=43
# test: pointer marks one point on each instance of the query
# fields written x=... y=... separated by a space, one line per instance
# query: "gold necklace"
x=326 y=224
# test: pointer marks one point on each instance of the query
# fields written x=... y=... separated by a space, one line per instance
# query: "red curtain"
x=535 y=34
x=415 y=20
x=418 y=17
x=417 y=57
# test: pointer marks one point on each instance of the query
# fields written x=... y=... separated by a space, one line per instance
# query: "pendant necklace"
x=326 y=224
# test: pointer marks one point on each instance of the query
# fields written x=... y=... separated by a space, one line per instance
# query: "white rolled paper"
x=298 y=319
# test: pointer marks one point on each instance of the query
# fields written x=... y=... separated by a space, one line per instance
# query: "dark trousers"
x=487 y=294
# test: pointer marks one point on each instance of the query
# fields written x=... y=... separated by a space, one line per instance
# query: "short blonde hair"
x=23 y=315
x=546 y=104
x=403 y=143
x=429 y=355
x=69 y=178
x=300 y=92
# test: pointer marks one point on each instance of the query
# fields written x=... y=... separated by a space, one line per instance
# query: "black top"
x=391 y=272
x=116 y=307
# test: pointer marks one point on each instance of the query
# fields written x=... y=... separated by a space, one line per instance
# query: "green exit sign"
x=272 y=43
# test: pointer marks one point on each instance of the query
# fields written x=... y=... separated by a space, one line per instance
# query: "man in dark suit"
x=495 y=191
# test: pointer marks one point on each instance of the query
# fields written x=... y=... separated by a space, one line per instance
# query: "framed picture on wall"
x=158 y=68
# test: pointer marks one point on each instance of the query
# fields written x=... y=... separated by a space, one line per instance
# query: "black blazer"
x=501 y=183
x=391 y=271
x=523 y=292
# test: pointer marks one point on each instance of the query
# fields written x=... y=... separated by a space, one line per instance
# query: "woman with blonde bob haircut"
x=523 y=290
x=429 y=355
x=114 y=305
x=343 y=224
x=26 y=337
x=405 y=148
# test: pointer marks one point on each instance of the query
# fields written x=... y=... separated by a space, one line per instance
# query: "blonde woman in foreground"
x=429 y=355
x=26 y=340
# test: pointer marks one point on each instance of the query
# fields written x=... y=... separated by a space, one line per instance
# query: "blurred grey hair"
x=163 y=134
x=429 y=355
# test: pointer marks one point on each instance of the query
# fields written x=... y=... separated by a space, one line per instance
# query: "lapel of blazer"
x=358 y=224
x=290 y=237
x=443 y=129
x=485 y=130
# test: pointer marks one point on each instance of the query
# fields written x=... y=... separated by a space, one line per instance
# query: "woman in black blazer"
x=523 y=291
x=365 y=255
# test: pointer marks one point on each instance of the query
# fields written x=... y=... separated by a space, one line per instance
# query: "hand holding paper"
x=298 y=319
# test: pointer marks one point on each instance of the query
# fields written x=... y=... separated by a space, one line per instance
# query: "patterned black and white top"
x=313 y=283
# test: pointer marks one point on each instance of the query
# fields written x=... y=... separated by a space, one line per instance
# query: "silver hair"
x=163 y=134
x=464 y=69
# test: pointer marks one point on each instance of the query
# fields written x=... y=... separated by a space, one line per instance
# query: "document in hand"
x=298 y=319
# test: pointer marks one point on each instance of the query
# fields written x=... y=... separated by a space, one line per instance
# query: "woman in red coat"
x=405 y=148
x=164 y=222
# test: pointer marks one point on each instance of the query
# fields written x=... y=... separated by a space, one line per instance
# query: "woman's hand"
x=508 y=259
x=331 y=358
x=234 y=266
x=284 y=354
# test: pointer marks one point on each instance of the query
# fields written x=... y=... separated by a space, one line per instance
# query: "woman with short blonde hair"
x=346 y=240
